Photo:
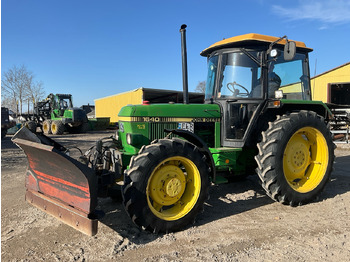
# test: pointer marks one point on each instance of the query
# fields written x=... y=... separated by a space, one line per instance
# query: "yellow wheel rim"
x=305 y=159
x=53 y=128
x=173 y=188
x=46 y=127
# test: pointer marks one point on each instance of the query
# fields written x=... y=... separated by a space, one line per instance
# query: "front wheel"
x=166 y=185
x=295 y=158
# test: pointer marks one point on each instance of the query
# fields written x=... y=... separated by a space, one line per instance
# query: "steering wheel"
x=236 y=91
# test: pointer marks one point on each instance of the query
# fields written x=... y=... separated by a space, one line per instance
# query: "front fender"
x=197 y=141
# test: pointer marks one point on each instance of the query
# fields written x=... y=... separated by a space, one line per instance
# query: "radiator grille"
x=156 y=130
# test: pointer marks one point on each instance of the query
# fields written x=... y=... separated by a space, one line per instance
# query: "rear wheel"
x=166 y=185
x=295 y=158
x=47 y=126
x=57 y=127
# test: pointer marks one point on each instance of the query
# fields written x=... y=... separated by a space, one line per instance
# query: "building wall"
x=111 y=105
x=319 y=84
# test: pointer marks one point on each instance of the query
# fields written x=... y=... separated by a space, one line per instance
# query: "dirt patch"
x=239 y=223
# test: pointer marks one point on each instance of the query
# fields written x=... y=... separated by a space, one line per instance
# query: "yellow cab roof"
x=247 y=39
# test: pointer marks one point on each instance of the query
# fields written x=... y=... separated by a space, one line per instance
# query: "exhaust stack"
x=184 y=63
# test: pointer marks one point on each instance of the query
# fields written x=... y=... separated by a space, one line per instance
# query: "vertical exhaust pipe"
x=184 y=63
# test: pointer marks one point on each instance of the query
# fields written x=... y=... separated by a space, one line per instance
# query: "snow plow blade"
x=58 y=184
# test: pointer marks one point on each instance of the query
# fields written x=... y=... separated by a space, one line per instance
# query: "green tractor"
x=257 y=117
x=58 y=115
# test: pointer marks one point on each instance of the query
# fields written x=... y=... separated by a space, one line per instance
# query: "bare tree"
x=200 y=87
x=17 y=87
x=14 y=83
x=8 y=102
x=35 y=92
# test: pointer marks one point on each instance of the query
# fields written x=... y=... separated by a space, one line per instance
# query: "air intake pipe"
x=184 y=63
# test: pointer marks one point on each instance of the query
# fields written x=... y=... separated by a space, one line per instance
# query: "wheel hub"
x=173 y=187
x=168 y=185
x=299 y=157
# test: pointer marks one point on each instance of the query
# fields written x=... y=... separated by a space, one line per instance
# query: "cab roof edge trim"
x=252 y=37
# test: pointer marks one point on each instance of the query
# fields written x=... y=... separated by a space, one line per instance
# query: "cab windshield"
x=240 y=77
x=62 y=103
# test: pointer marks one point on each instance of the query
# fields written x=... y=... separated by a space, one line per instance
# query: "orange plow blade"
x=57 y=183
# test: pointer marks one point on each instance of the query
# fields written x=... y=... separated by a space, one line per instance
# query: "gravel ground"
x=239 y=223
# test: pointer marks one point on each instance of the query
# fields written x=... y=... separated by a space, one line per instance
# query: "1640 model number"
x=151 y=119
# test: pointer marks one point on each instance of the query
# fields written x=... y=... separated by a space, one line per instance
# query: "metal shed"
x=110 y=106
x=332 y=86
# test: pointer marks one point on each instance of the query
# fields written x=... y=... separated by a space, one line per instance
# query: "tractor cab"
x=60 y=104
x=63 y=101
x=245 y=72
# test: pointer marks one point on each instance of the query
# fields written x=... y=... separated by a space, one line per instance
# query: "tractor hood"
x=168 y=112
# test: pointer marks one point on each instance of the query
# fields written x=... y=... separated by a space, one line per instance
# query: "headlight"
x=134 y=139
x=278 y=94
x=128 y=138
x=274 y=53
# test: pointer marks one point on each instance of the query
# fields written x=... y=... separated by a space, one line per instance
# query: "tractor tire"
x=166 y=185
x=57 y=127
x=31 y=125
x=47 y=127
x=295 y=158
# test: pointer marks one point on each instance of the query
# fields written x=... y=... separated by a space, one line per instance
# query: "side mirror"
x=289 y=50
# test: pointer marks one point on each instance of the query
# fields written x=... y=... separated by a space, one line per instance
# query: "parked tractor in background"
x=6 y=123
x=56 y=114
x=258 y=115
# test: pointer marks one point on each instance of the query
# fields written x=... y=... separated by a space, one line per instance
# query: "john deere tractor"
x=63 y=116
x=258 y=117
x=56 y=114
